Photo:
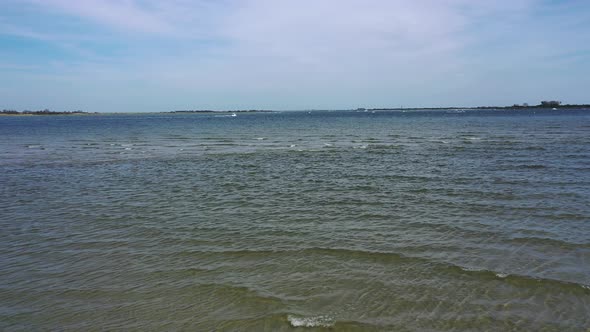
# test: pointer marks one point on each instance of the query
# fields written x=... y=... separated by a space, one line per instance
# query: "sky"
x=153 y=55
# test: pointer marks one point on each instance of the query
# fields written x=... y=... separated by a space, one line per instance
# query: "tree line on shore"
x=544 y=104
x=550 y=104
x=40 y=112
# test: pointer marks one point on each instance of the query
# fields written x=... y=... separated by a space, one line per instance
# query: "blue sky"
x=151 y=55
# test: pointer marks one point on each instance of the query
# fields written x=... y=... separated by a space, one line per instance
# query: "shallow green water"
x=295 y=221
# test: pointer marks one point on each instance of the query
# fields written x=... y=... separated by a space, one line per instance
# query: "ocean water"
x=296 y=221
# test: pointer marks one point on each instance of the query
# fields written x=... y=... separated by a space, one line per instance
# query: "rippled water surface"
x=353 y=221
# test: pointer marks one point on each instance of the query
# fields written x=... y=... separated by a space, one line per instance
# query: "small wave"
x=535 y=148
x=500 y=275
x=471 y=269
x=315 y=321
x=384 y=147
x=523 y=280
x=385 y=257
x=550 y=241
x=531 y=166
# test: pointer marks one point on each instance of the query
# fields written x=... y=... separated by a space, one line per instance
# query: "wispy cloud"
x=128 y=15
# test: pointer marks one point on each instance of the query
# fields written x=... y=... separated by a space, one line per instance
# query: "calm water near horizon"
x=296 y=221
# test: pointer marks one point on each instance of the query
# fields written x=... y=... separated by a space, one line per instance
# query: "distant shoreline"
x=583 y=106
x=224 y=111
x=478 y=108
x=48 y=114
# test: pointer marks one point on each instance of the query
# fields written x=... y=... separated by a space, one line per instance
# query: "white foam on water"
x=586 y=287
x=260 y=138
x=292 y=145
x=439 y=141
x=470 y=269
x=315 y=321
x=502 y=275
